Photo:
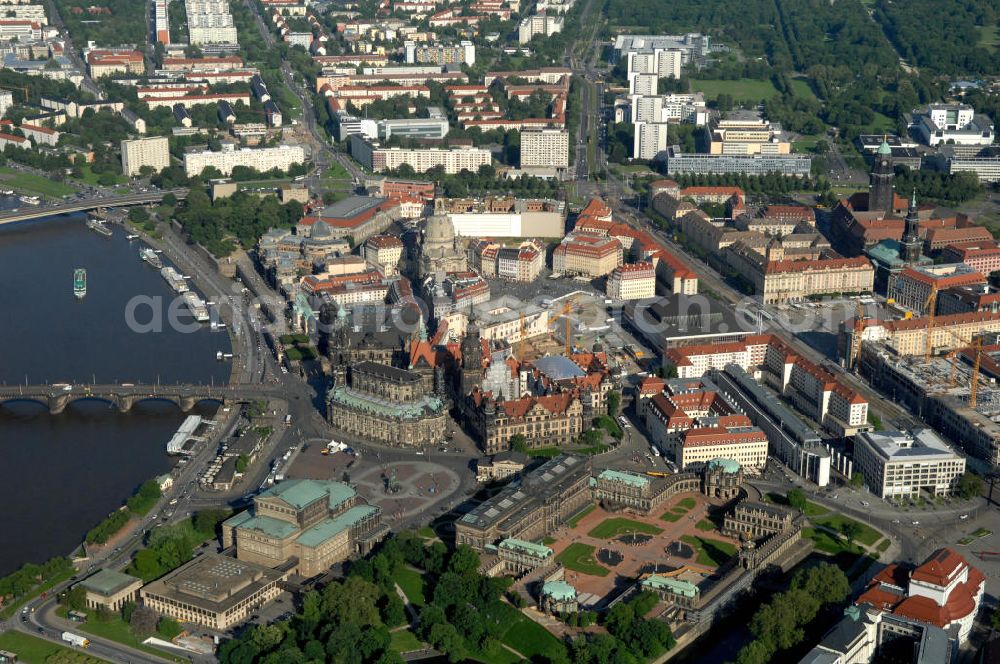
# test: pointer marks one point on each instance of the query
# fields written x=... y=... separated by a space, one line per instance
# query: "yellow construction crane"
x=974 y=388
x=931 y=303
x=564 y=312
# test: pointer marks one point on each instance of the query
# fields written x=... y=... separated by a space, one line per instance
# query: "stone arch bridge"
x=124 y=396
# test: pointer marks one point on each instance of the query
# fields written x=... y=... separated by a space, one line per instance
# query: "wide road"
x=30 y=212
x=323 y=155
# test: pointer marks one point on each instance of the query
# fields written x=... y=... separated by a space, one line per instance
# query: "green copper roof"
x=538 y=550
x=299 y=493
x=301 y=306
x=727 y=465
x=328 y=528
x=559 y=591
x=626 y=478
x=270 y=526
x=884 y=149
x=406 y=410
x=675 y=586
x=107 y=582
x=237 y=520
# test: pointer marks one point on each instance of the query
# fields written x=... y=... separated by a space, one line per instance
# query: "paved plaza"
x=401 y=488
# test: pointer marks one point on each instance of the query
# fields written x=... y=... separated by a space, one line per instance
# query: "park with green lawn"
x=11 y=178
x=412 y=584
x=710 y=552
x=579 y=557
x=614 y=527
x=32 y=650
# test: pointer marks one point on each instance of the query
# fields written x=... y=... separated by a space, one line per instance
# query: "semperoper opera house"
x=305 y=526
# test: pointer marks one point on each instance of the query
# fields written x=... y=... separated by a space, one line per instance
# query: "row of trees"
x=29 y=576
x=781 y=623
x=483 y=181
x=772 y=184
x=937 y=186
x=138 y=505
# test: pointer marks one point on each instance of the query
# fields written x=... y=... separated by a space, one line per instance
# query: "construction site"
x=956 y=393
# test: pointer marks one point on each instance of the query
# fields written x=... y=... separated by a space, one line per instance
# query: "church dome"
x=320 y=231
x=439 y=230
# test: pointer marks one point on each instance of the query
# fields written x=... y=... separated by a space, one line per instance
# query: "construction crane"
x=567 y=308
x=953 y=358
x=931 y=303
x=974 y=388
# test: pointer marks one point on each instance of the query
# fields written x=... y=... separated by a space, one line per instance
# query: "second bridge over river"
x=126 y=395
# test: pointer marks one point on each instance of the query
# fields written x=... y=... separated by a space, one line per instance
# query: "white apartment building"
x=454 y=160
x=209 y=22
x=6 y=101
x=21 y=12
x=545 y=148
x=646 y=85
x=41 y=135
x=650 y=139
x=538 y=24
x=154 y=152
x=686 y=108
x=262 y=159
x=663 y=62
x=896 y=463
x=439 y=54
x=632 y=282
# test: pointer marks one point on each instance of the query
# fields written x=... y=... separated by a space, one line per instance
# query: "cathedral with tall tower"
x=912 y=244
x=880 y=190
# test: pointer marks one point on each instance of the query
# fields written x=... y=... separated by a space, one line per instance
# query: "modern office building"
x=957 y=124
x=153 y=152
x=694 y=47
x=791 y=440
x=679 y=162
x=899 y=464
